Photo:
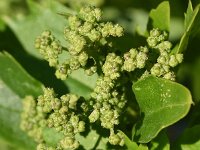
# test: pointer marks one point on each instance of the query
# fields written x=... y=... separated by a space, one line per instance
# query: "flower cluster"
x=89 y=46
x=135 y=59
x=88 y=42
x=50 y=112
x=48 y=47
x=108 y=99
x=162 y=68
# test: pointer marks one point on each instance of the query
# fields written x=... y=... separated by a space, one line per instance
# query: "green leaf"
x=42 y=17
x=160 y=142
x=162 y=103
x=189 y=139
x=51 y=136
x=93 y=140
x=160 y=16
x=17 y=78
x=142 y=147
x=191 y=25
x=129 y=144
x=15 y=83
x=2 y=25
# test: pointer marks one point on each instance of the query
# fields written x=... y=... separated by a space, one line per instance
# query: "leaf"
x=2 y=25
x=189 y=140
x=42 y=17
x=51 y=136
x=162 y=103
x=92 y=141
x=160 y=16
x=191 y=25
x=15 y=83
x=142 y=147
x=160 y=142
x=17 y=78
x=129 y=144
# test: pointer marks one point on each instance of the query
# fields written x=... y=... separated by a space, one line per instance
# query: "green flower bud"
x=116 y=139
x=85 y=28
x=69 y=143
x=74 y=63
x=90 y=14
x=152 y=41
x=74 y=121
x=41 y=146
x=82 y=58
x=94 y=35
x=173 y=61
x=73 y=101
x=74 y=22
x=141 y=59
x=48 y=47
x=63 y=71
x=112 y=66
x=169 y=76
x=164 y=46
x=156 y=70
x=179 y=58
x=81 y=126
x=94 y=116
x=91 y=70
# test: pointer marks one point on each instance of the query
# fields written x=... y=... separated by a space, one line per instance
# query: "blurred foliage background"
x=22 y=20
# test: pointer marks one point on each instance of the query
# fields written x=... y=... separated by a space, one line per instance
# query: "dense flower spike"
x=135 y=59
x=165 y=61
x=86 y=35
x=48 y=47
x=50 y=112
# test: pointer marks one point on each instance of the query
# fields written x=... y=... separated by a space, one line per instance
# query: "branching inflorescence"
x=90 y=47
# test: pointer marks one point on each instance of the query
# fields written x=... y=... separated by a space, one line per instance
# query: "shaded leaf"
x=17 y=78
x=191 y=25
x=142 y=147
x=129 y=144
x=160 y=142
x=92 y=141
x=160 y=16
x=162 y=103
x=189 y=139
x=42 y=17
x=15 y=83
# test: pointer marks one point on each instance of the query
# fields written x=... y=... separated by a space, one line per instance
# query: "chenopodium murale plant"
x=90 y=47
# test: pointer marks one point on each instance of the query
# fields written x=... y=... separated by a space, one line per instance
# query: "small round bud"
x=94 y=116
x=81 y=126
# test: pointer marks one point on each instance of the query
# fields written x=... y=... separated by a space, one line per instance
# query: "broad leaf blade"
x=160 y=16
x=129 y=144
x=17 y=78
x=15 y=83
x=162 y=103
x=42 y=17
